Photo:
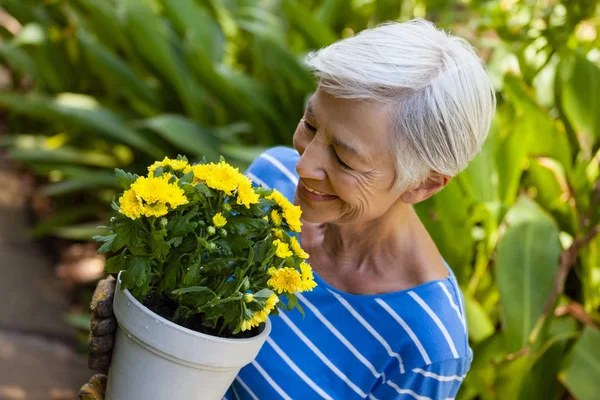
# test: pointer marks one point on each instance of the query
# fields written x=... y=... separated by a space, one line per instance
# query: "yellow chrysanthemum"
x=219 y=220
x=275 y=218
x=260 y=316
x=292 y=217
x=284 y=280
x=308 y=279
x=291 y=213
x=277 y=233
x=248 y=324
x=283 y=249
x=246 y=194
x=271 y=302
x=175 y=165
x=151 y=197
x=129 y=205
x=279 y=198
x=201 y=171
x=223 y=177
x=297 y=249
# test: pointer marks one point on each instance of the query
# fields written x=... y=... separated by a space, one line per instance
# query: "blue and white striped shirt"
x=411 y=344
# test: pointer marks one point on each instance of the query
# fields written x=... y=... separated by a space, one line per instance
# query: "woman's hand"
x=101 y=340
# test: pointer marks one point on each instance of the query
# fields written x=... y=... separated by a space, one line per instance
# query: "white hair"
x=438 y=92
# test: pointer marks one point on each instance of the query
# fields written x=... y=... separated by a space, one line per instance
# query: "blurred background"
x=87 y=86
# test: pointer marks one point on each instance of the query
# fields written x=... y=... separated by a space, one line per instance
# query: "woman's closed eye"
x=308 y=126
x=340 y=162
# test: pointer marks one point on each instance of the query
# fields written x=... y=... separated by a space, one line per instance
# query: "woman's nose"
x=310 y=164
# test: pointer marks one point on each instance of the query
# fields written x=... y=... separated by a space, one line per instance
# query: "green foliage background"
x=99 y=84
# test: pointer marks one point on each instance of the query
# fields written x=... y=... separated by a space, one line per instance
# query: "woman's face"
x=346 y=166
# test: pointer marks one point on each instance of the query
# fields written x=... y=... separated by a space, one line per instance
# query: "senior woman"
x=400 y=109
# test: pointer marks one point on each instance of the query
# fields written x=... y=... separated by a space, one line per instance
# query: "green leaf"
x=293 y=303
x=184 y=224
x=154 y=41
x=553 y=191
x=81 y=110
x=480 y=324
x=581 y=370
x=263 y=294
x=317 y=33
x=185 y=134
x=116 y=264
x=61 y=217
x=79 y=321
x=63 y=155
x=19 y=59
x=107 y=245
x=580 y=96
x=137 y=276
x=117 y=74
x=481 y=176
x=193 y=21
x=129 y=233
x=160 y=248
x=527 y=262
x=542 y=382
x=79 y=232
x=95 y=181
x=125 y=179
x=193 y=289
x=446 y=216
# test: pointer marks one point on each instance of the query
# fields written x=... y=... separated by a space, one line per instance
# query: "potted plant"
x=203 y=259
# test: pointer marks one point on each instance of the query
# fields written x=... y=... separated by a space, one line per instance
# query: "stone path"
x=37 y=356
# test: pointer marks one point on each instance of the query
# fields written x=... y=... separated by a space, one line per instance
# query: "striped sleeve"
x=276 y=168
x=437 y=381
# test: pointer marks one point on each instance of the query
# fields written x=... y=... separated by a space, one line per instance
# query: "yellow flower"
x=292 y=217
x=291 y=213
x=175 y=165
x=151 y=197
x=247 y=324
x=284 y=280
x=246 y=194
x=308 y=279
x=277 y=233
x=248 y=297
x=219 y=220
x=283 y=250
x=297 y=249
x=260 y=316
x=271 y=302
x=275 y=218
x=201 y=171
x=266 y=218
x=279 y=199
x=223 y=177
x=129 y=205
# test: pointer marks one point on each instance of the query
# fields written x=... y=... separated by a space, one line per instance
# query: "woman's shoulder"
x=275 y=168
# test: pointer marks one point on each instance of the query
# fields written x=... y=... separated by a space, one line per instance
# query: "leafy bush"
x=201 y=247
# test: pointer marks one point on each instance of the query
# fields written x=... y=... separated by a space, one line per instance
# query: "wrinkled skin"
x=101 y=340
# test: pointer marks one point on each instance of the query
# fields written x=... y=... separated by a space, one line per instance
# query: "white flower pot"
x=156 y=359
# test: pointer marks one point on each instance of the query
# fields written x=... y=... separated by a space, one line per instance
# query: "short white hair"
x=437 y=89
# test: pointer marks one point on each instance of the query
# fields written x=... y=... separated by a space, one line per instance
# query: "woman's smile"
x=311 y=194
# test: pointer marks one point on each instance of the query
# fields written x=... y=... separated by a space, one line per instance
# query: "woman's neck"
x=379 y=236
x=392 y=253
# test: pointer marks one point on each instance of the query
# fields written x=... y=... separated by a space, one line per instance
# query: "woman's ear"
x=430 y=186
